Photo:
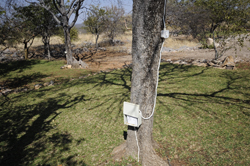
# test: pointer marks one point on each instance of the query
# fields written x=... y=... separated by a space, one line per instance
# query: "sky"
x=127 y=5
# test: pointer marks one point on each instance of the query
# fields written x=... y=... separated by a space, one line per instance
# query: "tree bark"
x=46 y=42
x=96 y=41
x=69 y=56
x=26 y=50
x=146 y=47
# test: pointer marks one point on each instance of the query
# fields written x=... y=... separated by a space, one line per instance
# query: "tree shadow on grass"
x=19 y=66
x=24 y=128
x=16 y=82
x=23 y=133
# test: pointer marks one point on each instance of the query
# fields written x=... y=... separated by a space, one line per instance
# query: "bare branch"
x=70 y=7
x=79 y=4
x=55 y=4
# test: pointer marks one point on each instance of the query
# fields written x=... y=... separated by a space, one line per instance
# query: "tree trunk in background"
x=96 y=41
x=146 y=47
x=26 y=50
x=69 y=56
x=46 y=40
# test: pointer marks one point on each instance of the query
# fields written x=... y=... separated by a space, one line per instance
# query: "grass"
x=31 y=72
x=202 y=118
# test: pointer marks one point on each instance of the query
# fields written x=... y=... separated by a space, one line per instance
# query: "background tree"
x=26 y=25
x=114 y=23
x=48 y=27
x=146 y=48
x=95 y=22
x=65 y=11
x=232 y=13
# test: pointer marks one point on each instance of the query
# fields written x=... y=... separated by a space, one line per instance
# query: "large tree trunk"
x=69 y=56
x=146 y=47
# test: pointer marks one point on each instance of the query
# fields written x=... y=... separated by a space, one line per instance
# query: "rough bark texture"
x=146 y=46
x=69 y=55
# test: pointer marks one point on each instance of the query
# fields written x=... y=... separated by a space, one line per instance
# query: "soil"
x=105 y=60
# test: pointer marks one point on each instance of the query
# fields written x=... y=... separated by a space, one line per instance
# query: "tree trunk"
x=69 y=56
x=96 y=41
x=46 y=40
x=215 y=48
x=146 y=47
x=26 y=50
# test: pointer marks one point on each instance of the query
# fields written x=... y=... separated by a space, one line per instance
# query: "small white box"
x=165 y=33
x=132 y=114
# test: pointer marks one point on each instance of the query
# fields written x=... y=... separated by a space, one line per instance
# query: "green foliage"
x=114 y=22
x=234 y=14
x=95 y=22
x=73 y=34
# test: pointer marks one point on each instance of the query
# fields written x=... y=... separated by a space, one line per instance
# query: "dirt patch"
x=105 y=60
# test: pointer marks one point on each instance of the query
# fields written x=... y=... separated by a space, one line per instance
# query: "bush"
x=73 y=34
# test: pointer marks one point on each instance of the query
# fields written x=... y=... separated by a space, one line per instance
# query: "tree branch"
x=79 y=3
x=57 y=7
x=70 y=7
x=42 y=4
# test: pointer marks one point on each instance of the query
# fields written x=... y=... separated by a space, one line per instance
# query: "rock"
x=228 y=61
x=102 y=48
x=176 y=62
x=216 y=61
x=6 y=91
x=66 y=67
x=183 y=62
x=210 y=64
x=51 y=83
x=201 y=64
x=203 y=61
x=38 y=86
x=15 y=55
x=3 y=58
x=82 y=64
x=7 y=51
x=165 y=49
x=210 y=42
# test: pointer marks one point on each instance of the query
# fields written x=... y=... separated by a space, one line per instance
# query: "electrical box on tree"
x=165 y=33
x=132 y=114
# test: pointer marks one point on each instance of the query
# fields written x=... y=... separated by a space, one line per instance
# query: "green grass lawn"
x=202 y=118
x=31 y=72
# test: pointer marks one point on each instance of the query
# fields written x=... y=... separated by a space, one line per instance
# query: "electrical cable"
x=158 y=66
x=137 y=146
x=156 y=85
x=164 y=13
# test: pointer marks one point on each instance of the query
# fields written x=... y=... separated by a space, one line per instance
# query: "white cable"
x=158 y=67
x=164 y=14
x=137 y=146
x=155 y=87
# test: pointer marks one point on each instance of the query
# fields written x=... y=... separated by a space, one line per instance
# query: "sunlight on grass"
x=202 y=118
x=31 y=72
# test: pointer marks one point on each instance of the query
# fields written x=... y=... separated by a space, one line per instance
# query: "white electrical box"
x=165 y=33
x=132 y=114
